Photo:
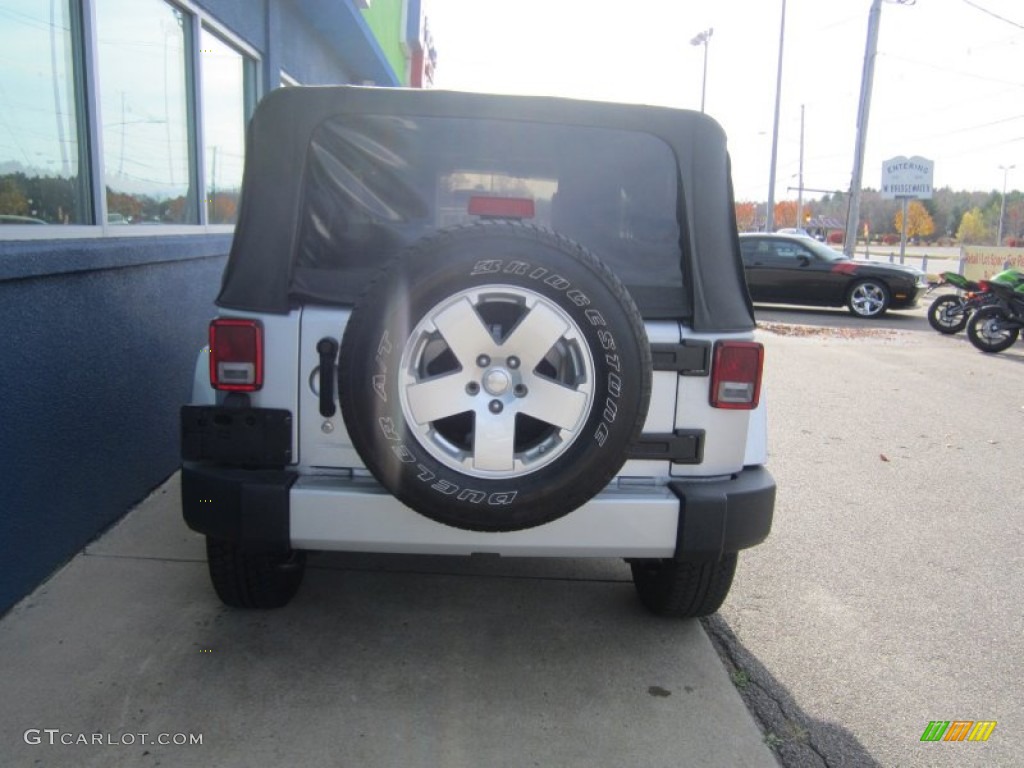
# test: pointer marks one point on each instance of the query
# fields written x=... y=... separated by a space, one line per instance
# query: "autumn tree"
x=127 y=205
x=785 y=214
x=224 y=209
x=972 y=227
x=746 y=216
x=919 y=221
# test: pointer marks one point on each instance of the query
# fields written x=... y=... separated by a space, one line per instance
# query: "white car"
x=457 y=323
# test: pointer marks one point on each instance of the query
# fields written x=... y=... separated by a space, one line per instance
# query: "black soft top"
x=338 y=179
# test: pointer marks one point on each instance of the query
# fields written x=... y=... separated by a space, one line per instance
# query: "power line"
x=960 y=72
x=969 y=128
x=994 y=15
x=975 y=150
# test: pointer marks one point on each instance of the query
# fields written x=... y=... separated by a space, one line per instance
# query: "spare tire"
x=494 y=376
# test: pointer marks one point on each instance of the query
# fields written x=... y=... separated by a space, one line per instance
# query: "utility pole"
x=800 y=178
x=866 y=82
x=770 y=214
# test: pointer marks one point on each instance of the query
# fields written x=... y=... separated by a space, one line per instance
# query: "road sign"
x=907 y=177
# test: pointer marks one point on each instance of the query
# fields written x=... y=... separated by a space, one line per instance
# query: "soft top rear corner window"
x=376 y=184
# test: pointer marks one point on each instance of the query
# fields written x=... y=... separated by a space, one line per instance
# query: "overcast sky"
x=949 y=77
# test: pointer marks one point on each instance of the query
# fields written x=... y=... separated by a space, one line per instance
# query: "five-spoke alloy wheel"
x=496 y=381
x=868 y=298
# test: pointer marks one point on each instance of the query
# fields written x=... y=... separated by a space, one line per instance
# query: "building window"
x=149 y=174
x=43 y=175
x=228 y=89
x=134 y=107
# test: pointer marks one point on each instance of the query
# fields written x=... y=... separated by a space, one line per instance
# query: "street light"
x=1002 y=204
x=702 y=39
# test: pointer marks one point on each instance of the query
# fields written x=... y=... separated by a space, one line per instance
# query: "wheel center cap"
x=497 y=381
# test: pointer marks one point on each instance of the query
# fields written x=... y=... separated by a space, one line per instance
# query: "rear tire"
x=986 y=334
x=246 y=579
x=947 y=314
x=683 y=590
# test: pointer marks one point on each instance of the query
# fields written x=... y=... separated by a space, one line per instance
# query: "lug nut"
x=513 y=362
x=495 y=406
x=472 y=388
x=519 y=390
x=483 y=361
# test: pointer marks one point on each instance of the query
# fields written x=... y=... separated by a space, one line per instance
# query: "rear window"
x=375 y=184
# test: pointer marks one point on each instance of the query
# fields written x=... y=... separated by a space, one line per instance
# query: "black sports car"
x=790 y=269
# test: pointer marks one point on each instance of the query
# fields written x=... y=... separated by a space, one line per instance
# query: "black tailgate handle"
x=327 y=348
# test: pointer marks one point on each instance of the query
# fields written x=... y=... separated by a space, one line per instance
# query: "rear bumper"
x=270 y=509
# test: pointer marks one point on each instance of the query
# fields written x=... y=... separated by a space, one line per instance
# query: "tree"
x=12 y=199
x=972 y=227
x=224 y=209
x=1013 y=225
x=877 y=211
x=785 y=214
x=746 y=216
x=919 y=221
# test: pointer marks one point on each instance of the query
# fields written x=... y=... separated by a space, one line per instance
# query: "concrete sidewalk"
x=380 y=661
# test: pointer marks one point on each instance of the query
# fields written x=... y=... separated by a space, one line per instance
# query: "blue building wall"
x=246 y=19
x=306 y=55
x=100 y=334
x=96 y=364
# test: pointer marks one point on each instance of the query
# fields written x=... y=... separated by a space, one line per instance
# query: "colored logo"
x=958 y=730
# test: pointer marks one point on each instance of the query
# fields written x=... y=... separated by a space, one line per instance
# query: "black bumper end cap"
x=724 y=516
x=247 y=506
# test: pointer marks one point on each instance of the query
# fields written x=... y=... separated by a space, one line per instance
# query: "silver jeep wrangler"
x=457 y=323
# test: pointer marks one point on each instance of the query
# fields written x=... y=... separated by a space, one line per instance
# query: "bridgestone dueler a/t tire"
x=684 y=590
x=494 y=376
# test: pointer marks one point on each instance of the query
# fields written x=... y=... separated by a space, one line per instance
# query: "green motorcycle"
x=950 y=312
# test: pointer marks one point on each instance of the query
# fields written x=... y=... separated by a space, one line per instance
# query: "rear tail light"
x=736 y=375
x=983 y=286
x=236 y=354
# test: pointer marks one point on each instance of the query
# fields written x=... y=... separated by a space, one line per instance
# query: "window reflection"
x=42 y=179
x=227 y=76
x=144 y=112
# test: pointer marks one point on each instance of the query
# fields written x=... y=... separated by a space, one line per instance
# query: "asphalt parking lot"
x=888 y=594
